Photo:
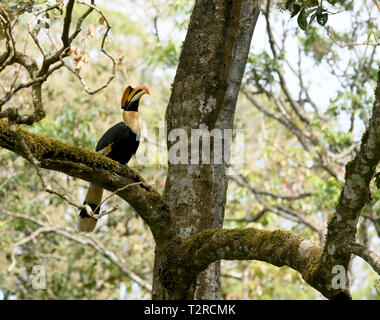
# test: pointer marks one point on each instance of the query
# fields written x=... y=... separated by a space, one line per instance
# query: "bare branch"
x=102 y=49
x=255 y=218
x=280 y=248
x=111 y=195
x=351 y=44
x=66 y=24
x=7 y=57
x=50 y=64
x=245 y=183
x=64 y=50
x=295 y=106
x=49 y=8
x=290 y=126
x=366 y=254
x=277 y=209
x=83 y=239
x=376 y=4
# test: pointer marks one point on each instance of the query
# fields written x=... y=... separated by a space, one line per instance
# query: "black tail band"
x=83 y=213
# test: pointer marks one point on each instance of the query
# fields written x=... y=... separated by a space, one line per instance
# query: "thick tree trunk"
x=204 y=94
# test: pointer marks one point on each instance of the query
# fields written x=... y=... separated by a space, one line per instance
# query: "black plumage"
x=122 y=141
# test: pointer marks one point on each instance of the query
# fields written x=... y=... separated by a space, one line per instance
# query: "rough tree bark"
x=218 y=40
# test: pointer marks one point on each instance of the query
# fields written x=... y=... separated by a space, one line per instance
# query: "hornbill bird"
x=119 y=143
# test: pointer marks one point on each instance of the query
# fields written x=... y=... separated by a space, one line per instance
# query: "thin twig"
x=84 y=239
x=102 y=49
x=366 y=254
x=109 y=197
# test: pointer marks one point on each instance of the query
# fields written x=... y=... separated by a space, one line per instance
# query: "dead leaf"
x=102 y=21
x=77 y=51
x=121 y=59
x=91 y=31
x=85 y=57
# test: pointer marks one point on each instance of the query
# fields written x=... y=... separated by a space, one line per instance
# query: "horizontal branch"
x=93 y=167
x=366 y=254
x=279 y=247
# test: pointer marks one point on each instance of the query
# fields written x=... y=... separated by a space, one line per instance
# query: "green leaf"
x=322 y=18
x=296 y=9
x=302 y=20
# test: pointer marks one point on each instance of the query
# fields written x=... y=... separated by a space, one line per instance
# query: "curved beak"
x=131 y=95
x=144 y=89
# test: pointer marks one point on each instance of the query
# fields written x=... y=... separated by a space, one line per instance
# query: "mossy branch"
x=278 y=247
x=93 y=167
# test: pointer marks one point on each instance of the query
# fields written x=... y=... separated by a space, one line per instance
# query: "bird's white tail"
x=93 y=199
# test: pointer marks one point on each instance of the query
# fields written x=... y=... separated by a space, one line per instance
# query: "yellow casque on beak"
x=129 y=93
